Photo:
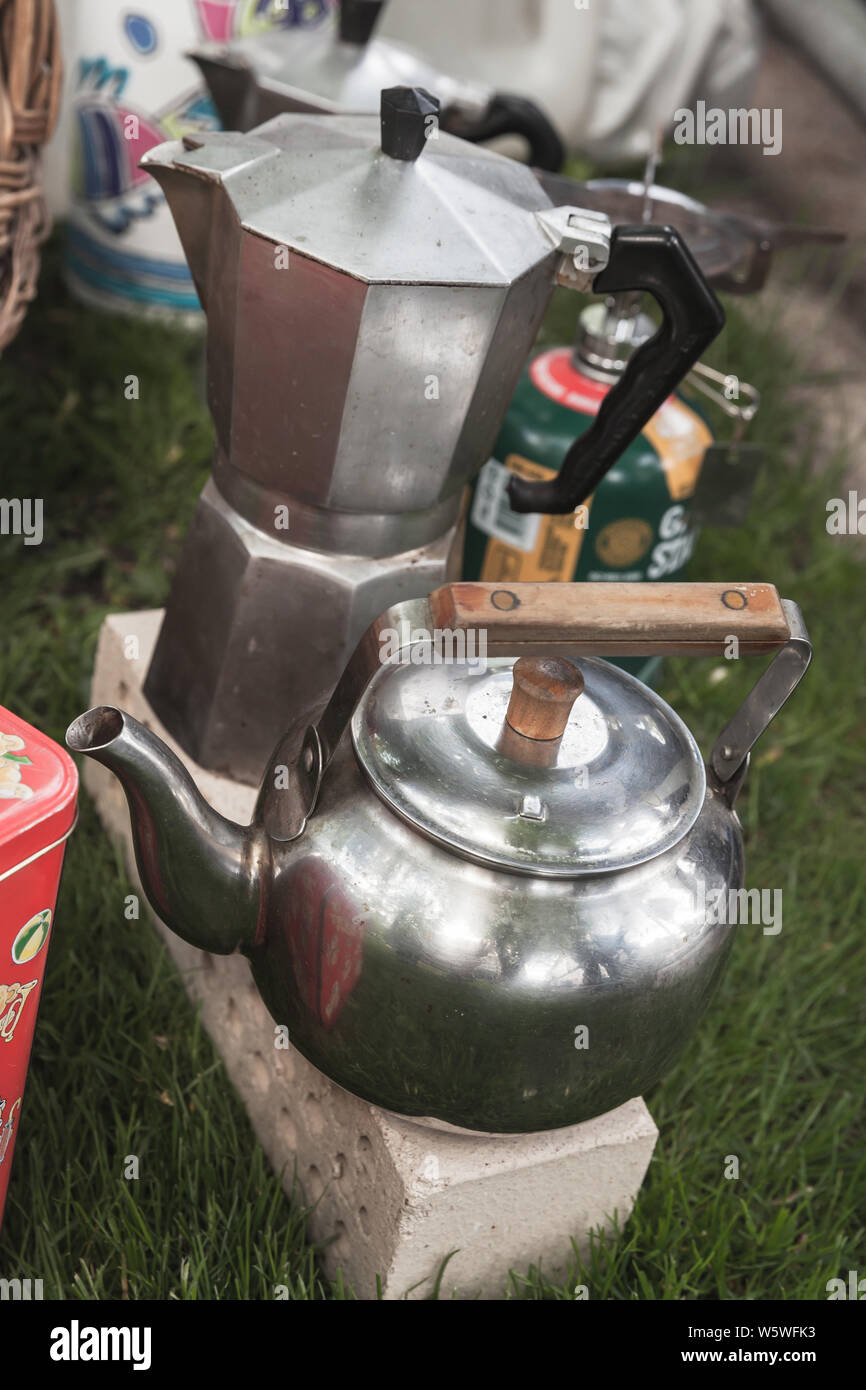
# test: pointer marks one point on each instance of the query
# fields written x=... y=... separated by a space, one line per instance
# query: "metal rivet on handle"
x=733 y=598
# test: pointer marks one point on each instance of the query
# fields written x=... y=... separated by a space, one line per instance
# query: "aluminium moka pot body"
x=362 y=315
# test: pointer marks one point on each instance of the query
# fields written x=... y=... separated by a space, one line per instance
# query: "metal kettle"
x=479 y=892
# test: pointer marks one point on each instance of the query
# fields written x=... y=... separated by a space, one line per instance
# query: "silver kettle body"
x=442 y=988
x=483 y=892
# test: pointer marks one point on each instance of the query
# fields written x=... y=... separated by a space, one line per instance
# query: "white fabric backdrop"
x=607 y=74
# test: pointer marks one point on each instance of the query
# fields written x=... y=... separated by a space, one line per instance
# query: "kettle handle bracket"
x=729 y=760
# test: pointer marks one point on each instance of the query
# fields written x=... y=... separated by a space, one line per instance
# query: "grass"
x=121 y=1065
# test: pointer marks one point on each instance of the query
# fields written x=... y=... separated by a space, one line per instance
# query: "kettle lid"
x=624 y=782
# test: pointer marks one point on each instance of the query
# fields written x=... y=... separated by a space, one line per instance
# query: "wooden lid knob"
x=544 y=690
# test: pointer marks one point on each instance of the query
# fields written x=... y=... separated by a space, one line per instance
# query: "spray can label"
x=522 y=546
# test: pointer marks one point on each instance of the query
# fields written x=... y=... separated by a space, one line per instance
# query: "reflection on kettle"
x=325 y=934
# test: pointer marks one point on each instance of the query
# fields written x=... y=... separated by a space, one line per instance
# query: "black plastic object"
x=657 y=260
x=405 y=116
x=510 y=115
x=358 y=19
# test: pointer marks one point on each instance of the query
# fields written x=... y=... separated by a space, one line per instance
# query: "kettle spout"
x=202 y=874
x=189 y=196
x=191 y=173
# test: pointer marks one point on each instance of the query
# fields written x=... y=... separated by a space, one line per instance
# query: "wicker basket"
x=30 y=72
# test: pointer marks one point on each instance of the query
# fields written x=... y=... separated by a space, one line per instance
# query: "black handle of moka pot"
x=357 y=19
x=657 y=260
x=506 y=114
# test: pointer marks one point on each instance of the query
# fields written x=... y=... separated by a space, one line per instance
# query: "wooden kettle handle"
x=617 y=619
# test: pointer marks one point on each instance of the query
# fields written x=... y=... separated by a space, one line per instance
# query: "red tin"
x=38 y=790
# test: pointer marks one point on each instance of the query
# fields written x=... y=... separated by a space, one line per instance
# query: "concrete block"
x=397 y=1194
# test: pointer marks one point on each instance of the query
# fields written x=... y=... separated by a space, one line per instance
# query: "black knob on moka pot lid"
x=358 y=19
x=407 y=115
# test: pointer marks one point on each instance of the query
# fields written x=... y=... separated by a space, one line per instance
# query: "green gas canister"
x=636 y=525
